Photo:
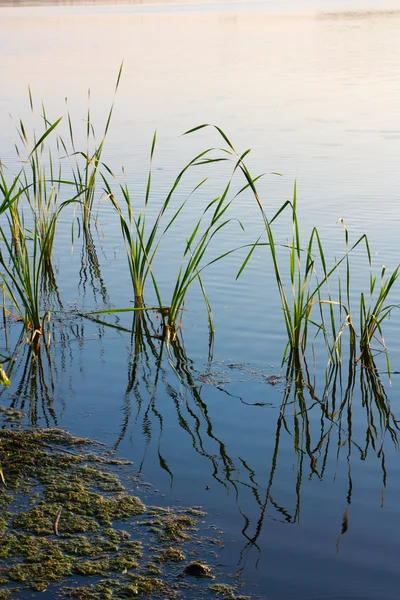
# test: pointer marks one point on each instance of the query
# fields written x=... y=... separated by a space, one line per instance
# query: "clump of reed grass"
x=311 y=281
x=192 y=260
x=25 y=255
x=372 y=308
x=374 y=313
x=143 y=237
x=22 y=276
x=297 y=305
x=10 y=193
x=85 y=175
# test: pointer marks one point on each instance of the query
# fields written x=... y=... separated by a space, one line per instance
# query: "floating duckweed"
x=40 y=521
x=151 y=523
x=79 y=545
x=122 y=563
x=173 y=554
x=222 y=589
x=69 y=526
x=175 y=527
x=37 y=520
x=3 y=526
x=195 y=511
x=112 y=539
x=130 y=590
x=121 y=507
x=50 y=566
x=146 y=585
x=140 y=586
x=107 y=482
x=92 y=567
x=134 y=547
x=103 y=590
x=152 y=568
x=19 y=544
x=170 y=525
x=10 y=415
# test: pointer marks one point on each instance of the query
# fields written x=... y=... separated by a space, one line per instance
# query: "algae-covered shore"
x=71 y=523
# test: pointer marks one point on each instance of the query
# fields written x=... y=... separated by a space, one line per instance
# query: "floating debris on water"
x=197 y=569
x=61 y=525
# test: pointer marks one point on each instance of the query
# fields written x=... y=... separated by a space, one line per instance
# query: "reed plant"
x=4 y=380
x=373 y=313
x=143 y=236
x=311 y=281
x=24 y=254
x=314 y=283
x=25 y=271
x=371 y=308
x=141 y=239
x=214 y=218
x=85 y=173
x=11 y=192
x=22 y=275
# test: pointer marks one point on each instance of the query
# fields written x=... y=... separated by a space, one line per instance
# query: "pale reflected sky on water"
x=311 y=87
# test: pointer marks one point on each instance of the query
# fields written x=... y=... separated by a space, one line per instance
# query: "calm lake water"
x=308 y=500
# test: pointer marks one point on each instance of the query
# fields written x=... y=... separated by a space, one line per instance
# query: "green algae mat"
x=70 y=525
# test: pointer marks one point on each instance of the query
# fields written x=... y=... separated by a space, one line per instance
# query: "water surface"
x=308 y=502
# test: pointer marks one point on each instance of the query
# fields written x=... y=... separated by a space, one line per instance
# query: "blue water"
x=307 y=497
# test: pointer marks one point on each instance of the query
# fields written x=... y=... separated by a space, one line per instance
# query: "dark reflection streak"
x=47 y=392
x=326 y=453
x=21 y=384
x=226 y=460
x=350 y=489
x=287 y=516
x=344 y=529
x=373 y=395
x=383 y=471
x=146 y=447
x=224 y=391
x=181 y=367
x=295 y=373
x=90 y=271
x=143 y=339
x=252 y=540
x=255 y=486
x=33 y=385
x=197 y=440
x=161 y=459
x=137 y=351
x=35 y=371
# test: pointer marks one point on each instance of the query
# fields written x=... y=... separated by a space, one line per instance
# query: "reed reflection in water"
x=315 y=417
